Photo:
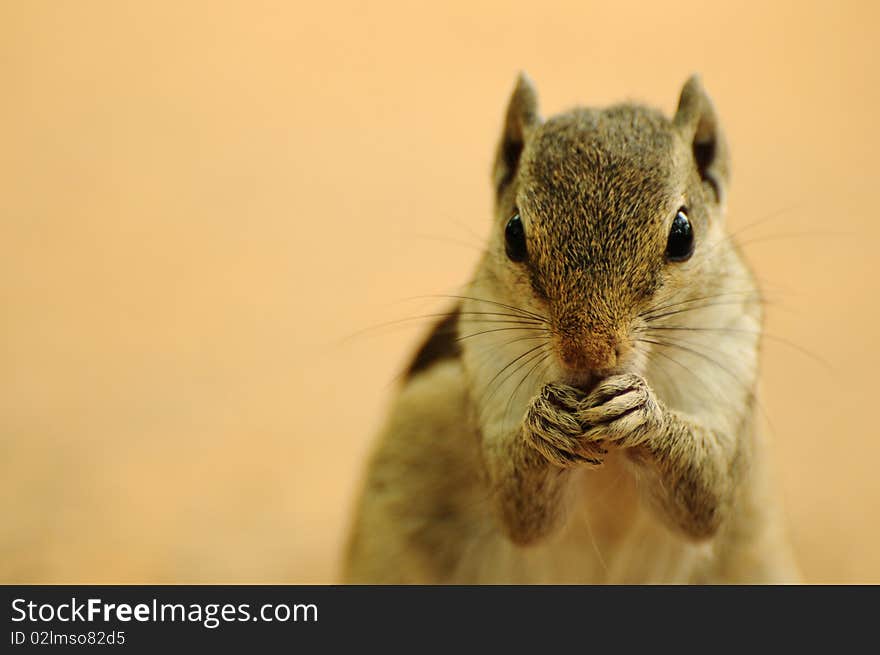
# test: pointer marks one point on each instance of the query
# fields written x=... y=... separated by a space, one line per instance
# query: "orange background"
x=199 y=202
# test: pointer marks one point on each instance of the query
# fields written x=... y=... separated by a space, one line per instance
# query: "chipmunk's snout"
x=592 y=354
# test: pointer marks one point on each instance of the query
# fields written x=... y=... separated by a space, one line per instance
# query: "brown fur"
x=622 y=448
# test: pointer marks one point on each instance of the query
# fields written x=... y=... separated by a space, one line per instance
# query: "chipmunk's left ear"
x=697 y=122
x=521 y=116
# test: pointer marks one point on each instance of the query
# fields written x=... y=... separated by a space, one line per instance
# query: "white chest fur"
x=611 y=537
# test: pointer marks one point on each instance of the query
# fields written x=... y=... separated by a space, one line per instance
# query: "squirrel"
x=586 y=411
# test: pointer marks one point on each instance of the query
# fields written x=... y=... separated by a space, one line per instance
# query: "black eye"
x=515 y=239
x=680 y=244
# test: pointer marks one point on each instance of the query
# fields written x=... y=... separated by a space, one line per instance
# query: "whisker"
x=479 y=238
x=701 y=380
x=756 y=299
x=438 y=238
x=464 y=317
x=524 y=378
x=485 y=403
x=476 y=334
x=772 y=337
x=512 y=341
x=670 y=344
x=507 y=366
x=649 y=354
x=513 y=308
x=772 y=216
x=731 y=236
x=792 y=235
x=648 y=314
x=688 y=369
x=750 y=392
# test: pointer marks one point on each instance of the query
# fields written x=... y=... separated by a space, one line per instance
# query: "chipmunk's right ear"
x=698 y=124
x=522 y=115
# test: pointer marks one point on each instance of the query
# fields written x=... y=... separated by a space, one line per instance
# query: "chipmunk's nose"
x=595 y=353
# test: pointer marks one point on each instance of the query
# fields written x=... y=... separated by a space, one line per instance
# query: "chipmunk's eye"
x=680 y=244
x=515 y=239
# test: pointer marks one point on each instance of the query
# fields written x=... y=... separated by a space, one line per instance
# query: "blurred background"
x=205 y=207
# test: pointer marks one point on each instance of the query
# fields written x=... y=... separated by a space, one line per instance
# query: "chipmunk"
x=586 y=412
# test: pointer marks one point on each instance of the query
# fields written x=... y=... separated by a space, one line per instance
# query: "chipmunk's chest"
x=611 y=537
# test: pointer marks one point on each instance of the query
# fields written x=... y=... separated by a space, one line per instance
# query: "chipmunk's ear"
x=522 y=115
x=698 y=124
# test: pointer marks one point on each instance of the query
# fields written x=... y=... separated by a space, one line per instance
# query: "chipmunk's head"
x=603 y=217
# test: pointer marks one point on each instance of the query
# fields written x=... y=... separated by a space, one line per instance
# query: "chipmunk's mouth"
x=586 y=357
x=585 y=381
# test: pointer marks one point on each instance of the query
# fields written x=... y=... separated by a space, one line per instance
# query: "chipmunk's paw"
x=553 y=428
x=622 y=410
